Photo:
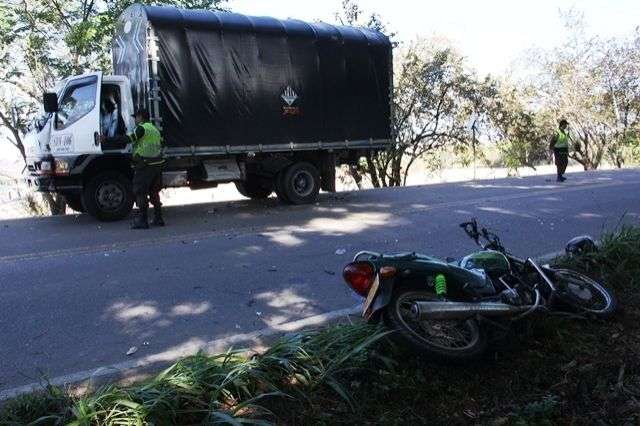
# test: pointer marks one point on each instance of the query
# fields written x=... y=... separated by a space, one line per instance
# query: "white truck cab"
x=68 y=137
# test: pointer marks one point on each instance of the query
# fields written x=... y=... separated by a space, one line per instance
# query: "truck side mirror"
x=50 y=102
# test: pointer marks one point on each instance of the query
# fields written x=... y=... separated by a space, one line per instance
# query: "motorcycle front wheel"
x=442 y=340
x=583 y=293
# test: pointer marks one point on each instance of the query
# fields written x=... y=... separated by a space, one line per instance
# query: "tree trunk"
x=371 y=168
x=355 y=174
x=396 y=171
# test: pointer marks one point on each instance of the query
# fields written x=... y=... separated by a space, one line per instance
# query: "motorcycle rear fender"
x=383 y=298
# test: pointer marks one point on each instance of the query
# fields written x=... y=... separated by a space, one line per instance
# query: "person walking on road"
x=559 y=148
x=147 y=165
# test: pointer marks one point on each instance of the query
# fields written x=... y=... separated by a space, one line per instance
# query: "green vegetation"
x=553 y=370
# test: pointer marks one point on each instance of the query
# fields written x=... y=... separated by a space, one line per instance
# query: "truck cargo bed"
x=221 y=83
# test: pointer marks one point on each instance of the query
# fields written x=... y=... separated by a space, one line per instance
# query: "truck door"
x=76 y=129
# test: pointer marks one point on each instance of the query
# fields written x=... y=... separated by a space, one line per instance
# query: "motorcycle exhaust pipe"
x=422 y=311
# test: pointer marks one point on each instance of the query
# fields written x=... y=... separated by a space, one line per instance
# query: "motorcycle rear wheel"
x=583 y=293
x=441 y=340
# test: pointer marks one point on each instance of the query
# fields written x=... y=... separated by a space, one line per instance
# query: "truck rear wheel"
x=108 y=196
x=299 y=183
x=255 y=188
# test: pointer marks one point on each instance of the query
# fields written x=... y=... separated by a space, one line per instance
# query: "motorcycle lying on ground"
x=448 y=310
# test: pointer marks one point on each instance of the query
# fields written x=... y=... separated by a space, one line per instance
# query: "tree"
x=434 y=96
x=520 y=132
x=593 y=83
x=619 y=69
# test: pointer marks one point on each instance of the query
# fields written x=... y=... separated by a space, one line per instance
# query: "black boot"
x=140 y=220
x=157 y=217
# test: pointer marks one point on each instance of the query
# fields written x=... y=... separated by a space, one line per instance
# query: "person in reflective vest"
x=559 y=147
x=147 y=164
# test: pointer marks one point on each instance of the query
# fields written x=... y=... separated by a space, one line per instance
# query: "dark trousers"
x=562 y=160
x=147 y=183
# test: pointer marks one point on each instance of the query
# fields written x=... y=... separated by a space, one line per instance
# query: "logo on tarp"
x=289 y=96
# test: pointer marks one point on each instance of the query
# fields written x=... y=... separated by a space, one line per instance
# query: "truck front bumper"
x=41 y=179
x=48 y=183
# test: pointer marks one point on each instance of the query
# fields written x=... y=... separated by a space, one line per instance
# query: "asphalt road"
x=76 y=294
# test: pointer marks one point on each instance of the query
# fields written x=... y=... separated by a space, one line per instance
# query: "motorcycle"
x=448 y=310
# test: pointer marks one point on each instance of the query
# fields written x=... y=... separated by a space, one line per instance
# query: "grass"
x=228 y=388
x=553 y=371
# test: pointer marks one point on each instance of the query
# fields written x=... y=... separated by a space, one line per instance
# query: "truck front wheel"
x=299 y=183
x=108 y=196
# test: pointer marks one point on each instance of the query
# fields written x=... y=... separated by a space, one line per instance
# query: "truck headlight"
x=45 y=167
x=61 y=166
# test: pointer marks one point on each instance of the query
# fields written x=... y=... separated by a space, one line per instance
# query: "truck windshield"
x=79 y=99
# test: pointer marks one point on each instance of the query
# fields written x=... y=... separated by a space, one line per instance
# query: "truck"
x=270 y=105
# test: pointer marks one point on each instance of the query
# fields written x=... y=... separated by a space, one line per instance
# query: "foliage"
x=594 y=84
x=618 y=258
x=225 y=388
x=522 y=134
x=434 y=96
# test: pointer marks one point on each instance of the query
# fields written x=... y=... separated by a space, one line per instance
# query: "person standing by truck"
x=147 y=164
x=559 y=148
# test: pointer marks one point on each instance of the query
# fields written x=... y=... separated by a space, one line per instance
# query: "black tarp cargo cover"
x=232 y=80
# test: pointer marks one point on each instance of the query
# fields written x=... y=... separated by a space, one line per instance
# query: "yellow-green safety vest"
x=562 y=139
x=150 y=145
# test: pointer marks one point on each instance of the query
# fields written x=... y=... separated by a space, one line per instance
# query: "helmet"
x=581 y=245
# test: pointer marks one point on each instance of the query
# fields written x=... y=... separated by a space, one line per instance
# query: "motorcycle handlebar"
x=471 y=229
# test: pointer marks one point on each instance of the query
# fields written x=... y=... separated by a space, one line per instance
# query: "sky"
x=490 y=33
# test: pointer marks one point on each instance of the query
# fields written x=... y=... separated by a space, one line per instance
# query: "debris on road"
x=273 y=269
x=341 y=251
x=132 y=350
x=330 y=272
